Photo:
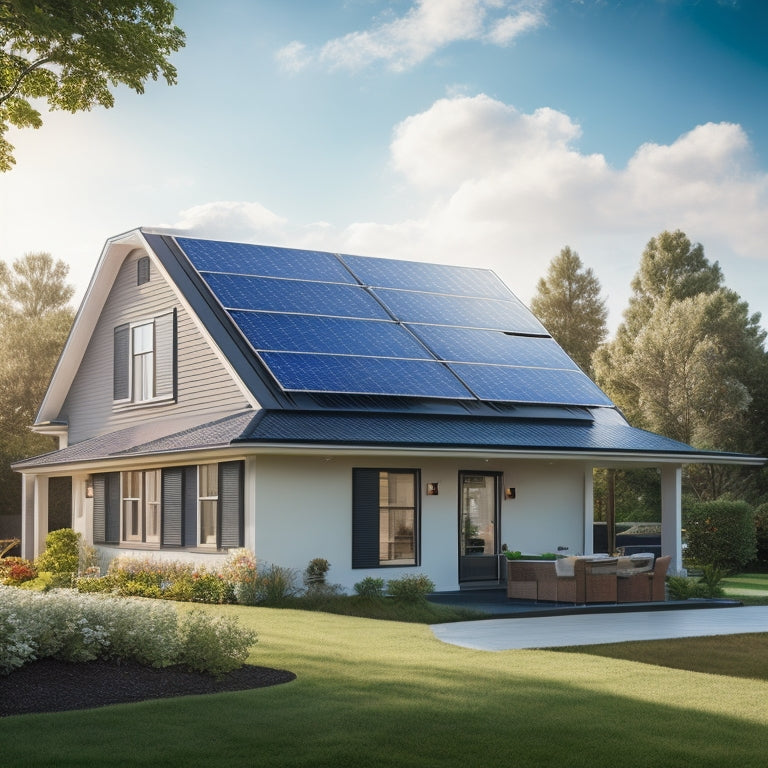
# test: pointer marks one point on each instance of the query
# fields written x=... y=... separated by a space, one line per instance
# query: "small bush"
x=720 y=533
x=411 y=588
x=62 y=552
x=242 y=572
x=74 y=627
x=370 y=587
x=314 y=574
x=16 y=570
x=276 y=585
x=213 y=645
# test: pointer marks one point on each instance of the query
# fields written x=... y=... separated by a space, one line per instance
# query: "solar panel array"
x=329 y=323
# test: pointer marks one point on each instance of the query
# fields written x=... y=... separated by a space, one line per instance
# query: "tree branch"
x=17 y=84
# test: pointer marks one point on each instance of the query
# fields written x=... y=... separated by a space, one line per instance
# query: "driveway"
x=597 y=628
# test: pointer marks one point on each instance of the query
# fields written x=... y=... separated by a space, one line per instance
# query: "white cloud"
x=229 y=220
x=507 y=190
x=427 y=27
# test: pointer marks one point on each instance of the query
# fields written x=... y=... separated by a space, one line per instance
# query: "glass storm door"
x=478 y=526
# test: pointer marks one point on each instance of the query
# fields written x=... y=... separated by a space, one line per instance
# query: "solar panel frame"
x=500 y=383
x=264 y=261
x=269 y=294
x=477 y=345
x=297 y=372
x=412 y=307
x=435 y=278
x=276 y=332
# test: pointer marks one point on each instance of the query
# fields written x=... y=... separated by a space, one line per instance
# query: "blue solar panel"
x=530 y=385
x=265 y=261
x=363 y=375
x=419 y=276
x=495 y=347
x=328 y=335
x=306 y=297
x=460 y=311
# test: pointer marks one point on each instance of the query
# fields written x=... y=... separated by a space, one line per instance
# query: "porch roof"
x=407 y=432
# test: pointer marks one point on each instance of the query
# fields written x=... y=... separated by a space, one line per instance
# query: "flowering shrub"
x=16 y=570
x=241 y=571
x=75 y=627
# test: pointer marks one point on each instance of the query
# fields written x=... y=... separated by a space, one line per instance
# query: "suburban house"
x=390 y=416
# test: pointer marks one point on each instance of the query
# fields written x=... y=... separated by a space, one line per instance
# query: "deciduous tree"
x=35 y=319
x=73 y=52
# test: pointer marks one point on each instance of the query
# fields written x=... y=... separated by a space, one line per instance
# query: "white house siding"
x=303 y=510
x=204 y=385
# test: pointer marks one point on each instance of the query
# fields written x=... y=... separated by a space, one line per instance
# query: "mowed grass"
x=386 y=693
x=751 y=588
x=733 y=655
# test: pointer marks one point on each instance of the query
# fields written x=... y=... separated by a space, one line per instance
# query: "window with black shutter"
x=385 y=517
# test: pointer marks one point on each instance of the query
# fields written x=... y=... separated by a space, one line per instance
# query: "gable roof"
x=411 y=334
x=343 y=351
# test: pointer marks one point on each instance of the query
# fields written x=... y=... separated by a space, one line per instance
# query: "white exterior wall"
x=303 y=510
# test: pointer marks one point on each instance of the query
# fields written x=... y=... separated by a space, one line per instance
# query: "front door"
x=478 y=526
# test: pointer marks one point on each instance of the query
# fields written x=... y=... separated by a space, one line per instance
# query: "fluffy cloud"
x=508 y=190
x=231 y=221
x=428 y=26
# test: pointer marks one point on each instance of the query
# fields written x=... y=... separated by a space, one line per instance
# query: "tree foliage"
x=569 y=304
x=72 y=52
x=688 y=361
x=35 y=319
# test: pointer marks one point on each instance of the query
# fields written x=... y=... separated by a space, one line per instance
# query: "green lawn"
x=383 y=693
x=752 y=587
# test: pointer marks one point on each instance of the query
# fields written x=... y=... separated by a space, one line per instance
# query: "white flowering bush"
x=78 y=627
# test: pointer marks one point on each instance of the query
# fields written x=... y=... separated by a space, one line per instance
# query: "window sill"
x=130 y=405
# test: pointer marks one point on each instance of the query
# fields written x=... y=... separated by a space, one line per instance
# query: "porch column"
x=41 y=512
x=28 y=516
x=672 y=516
x=589 y=512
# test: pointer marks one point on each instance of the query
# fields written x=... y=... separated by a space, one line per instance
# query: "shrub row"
x=64 y=625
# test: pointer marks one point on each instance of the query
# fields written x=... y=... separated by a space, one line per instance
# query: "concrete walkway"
x=596 y=628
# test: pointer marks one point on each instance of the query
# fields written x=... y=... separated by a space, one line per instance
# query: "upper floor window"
x=145 y=360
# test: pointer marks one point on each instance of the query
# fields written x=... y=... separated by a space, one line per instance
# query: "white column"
x=589 y=511
x=249 y=504
x=671 y=516
x=40 y=514
x=28 y=516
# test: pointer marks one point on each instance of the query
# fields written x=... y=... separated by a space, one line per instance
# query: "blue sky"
x=476 y=132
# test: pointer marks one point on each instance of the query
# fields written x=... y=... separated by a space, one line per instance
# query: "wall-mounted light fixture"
x=89 y=487
x=509 y=493
x=432 y=489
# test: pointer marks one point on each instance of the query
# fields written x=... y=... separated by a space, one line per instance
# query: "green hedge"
x=720 y=533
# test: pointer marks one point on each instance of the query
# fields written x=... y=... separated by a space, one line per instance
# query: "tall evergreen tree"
x=569 y=304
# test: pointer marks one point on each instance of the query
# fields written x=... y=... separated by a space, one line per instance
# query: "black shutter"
x=142 y=270
x=99 y=507
x=230 y=517
x=121 y=387
x=190 y=506
x=112 y=511
x=165 y=355
x=172 y=525
x=365 y=518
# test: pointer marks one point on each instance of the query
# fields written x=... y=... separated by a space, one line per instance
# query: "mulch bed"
x=49 y=685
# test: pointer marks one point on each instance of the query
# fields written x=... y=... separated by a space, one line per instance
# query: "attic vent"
x=142 y=266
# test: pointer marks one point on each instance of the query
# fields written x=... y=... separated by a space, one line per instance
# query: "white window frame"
x=206 y=501
x=144 y=508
